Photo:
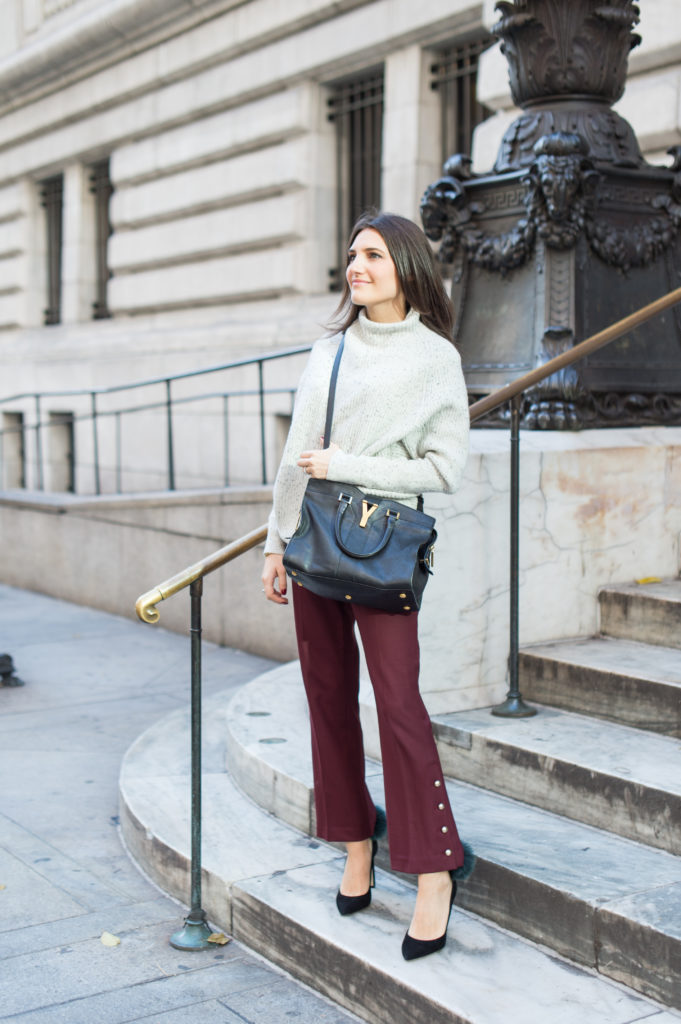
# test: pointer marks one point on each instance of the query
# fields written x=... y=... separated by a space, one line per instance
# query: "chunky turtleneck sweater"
x=400 y=417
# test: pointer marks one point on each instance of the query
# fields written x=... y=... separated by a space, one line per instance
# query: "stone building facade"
x=177 y=176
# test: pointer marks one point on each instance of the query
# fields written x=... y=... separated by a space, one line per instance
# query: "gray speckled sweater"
x=400 y=417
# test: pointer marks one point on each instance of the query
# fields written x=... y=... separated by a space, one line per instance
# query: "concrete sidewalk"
x=94 y=682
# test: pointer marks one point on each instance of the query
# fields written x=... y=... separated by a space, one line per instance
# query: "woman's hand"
x=274 y=572
x=316 y=463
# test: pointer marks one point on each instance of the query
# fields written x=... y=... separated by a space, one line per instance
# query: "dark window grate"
x=455 y=78
x=13 y=450
x=102 y=189
x=356 y=109
x=52 y=200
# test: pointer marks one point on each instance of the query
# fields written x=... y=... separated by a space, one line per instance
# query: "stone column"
x=78 y=255
x=31 y=307
x=411 y=151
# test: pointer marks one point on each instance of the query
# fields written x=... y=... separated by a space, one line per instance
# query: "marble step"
x=648 y=612
x=624 y=681
x=625 y=780
x=272 y=887
x=596 y=898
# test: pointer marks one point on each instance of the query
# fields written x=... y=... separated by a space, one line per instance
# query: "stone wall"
x=214 y=118
x=104 y=553
x=222 y=156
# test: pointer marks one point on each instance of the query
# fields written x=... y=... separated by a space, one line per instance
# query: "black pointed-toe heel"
x=412 y=949
x=351 y=904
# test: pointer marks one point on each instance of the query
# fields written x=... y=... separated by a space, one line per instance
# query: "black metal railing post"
x=38 y=447
x=119 y=453
x=514 y=706
x=195 y=933
x=95 y=442
x=169 y=425
x=261 y=393
x=225 y=424
x=24 y=449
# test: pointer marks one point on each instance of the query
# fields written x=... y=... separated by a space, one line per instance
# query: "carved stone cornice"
x=100 y=35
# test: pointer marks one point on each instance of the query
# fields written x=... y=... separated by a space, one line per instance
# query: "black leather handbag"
x=353 y=546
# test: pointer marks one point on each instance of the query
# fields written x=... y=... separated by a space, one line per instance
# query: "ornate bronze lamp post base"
x=571 y=231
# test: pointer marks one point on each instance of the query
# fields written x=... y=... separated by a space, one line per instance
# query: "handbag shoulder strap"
x=332 y=393
x=332 y=399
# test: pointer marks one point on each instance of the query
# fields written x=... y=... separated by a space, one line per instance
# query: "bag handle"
x=329 y=416
x=390 y=520
x=332 y=393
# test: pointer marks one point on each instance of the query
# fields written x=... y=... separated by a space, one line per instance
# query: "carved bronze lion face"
x=559 y=179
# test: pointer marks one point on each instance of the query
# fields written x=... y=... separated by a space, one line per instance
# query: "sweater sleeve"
x=307 y=424
x=437 y=460
x=274 y=545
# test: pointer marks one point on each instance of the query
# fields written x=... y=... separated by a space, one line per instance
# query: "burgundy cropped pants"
x=421 y=828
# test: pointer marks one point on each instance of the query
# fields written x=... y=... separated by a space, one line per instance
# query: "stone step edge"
x=667 y=589
x=268 y=911
x=453 y=733
x=561 y=674
x=473 y=746
x=656 y=608
x=279 y=779
x=655 y=674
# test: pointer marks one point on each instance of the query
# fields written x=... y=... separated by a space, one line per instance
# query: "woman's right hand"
x=274 y=572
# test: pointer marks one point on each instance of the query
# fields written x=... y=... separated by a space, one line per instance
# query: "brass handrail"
x=146 y=604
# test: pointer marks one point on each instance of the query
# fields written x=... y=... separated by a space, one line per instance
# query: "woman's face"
x=373 y=280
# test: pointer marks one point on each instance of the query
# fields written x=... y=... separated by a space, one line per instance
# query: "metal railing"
x=92 y=398
x=194 y=934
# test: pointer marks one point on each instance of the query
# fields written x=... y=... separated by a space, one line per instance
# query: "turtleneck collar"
x=373 y=331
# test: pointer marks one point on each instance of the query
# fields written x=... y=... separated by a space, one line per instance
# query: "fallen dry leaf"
x=219 y=938
x=108 y=939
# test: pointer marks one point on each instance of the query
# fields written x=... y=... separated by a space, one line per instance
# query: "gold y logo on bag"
x=367 y=512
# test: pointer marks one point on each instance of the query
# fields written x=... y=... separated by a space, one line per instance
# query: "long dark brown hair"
x=417 y=273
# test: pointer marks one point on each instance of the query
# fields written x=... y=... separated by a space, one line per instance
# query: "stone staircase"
x=573 y=913
x=630 y=673
x=600 y=875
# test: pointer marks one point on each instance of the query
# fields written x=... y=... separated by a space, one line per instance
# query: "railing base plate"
x=194 y=935
x=514 y=707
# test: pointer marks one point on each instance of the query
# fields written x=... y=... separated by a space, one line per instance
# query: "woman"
x=400 y=427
